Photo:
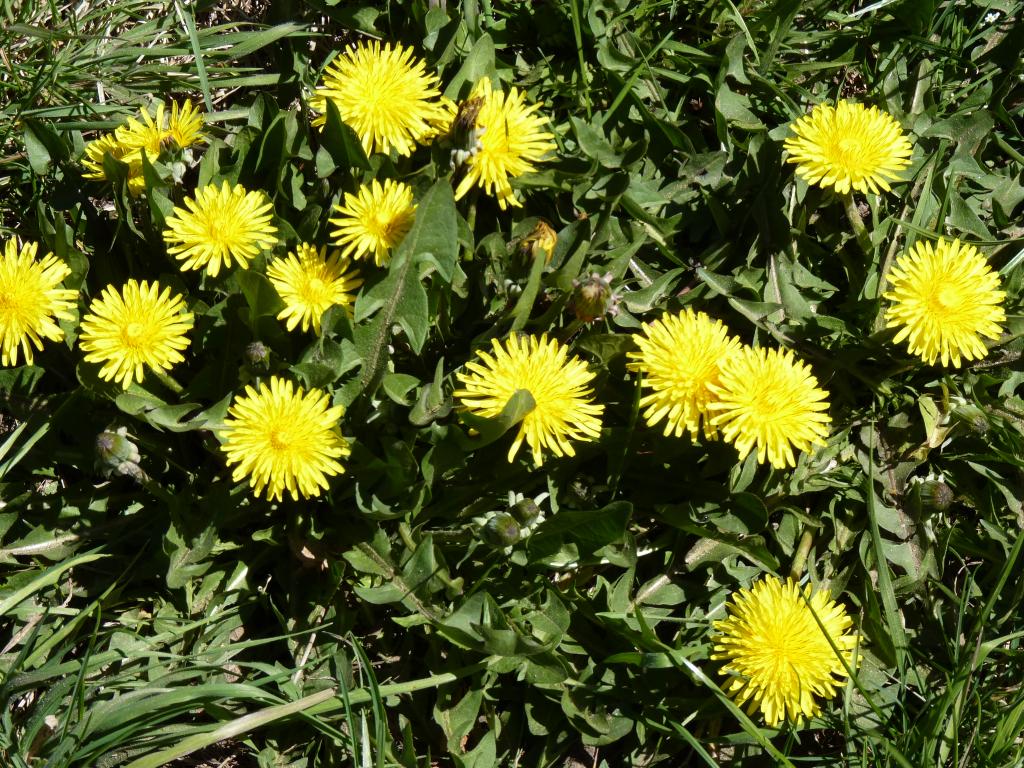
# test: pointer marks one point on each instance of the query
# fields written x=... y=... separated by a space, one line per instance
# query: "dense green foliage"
x=152 y=613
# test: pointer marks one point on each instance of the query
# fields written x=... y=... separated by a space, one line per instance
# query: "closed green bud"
x=501 y=530
x=116 y=454
x=936 y=495
x=931 y=496
x=525 y=511
x=972 y=417
x=114 y=448
x=593 y=298
x=257 y=353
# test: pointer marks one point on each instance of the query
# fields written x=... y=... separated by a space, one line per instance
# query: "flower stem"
x=167 y=381
x=857 y=224
x=803 y=550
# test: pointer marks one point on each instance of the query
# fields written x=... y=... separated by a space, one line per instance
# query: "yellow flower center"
x=848 y=151
x=133 y=334
x=221 y=230
x=946 y=297
x=279 y=438
x=383 y=222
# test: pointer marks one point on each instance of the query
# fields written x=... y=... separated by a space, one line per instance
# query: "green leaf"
x=404 y=300
x=479 y=63
x=341 y=142
x=43 y=145
x=485 y=431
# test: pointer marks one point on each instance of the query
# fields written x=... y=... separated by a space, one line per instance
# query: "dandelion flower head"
x=220 y=225
x=374 y=220
x=96 y=151
x=31 y=300
x=777 y=650
x=384 y=94
x=133 y=328
x=564 y=410
x=147 y=133
x=284 y=439
x=945 y=298
x=848 y=146
x=512 y=138
x=769 y=399
x=679 y=357
x=182 y=128
x=309 y=282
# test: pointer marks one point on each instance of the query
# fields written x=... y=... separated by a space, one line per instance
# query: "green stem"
x=803 y=550
x=857 y=224
x=523 y=308
x=167 y=381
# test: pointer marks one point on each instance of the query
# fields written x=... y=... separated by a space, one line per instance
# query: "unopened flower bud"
x=543 y=236
x=257 y=353
x=525 y=511
x=112 y=448
x=593 y=298
x=501 y=530
x=116 y=454
x=972 y=417
x=931 y=496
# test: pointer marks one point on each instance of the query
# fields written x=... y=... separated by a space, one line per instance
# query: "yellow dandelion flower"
x=147 y=133
x=220 y=225
x=848 y=146
x=558 y=384
x=31 y=300
x=374 y=220
x=441 y=123
x=679 y=357
x=108 y=144
x=510 y=139
x=769 y=399
x=135 y=327
x=383 y=94
x=776 y=655
x=310 y=283
x=946 y=298
x=185 y=125
x=283 y=438
x=152 y=133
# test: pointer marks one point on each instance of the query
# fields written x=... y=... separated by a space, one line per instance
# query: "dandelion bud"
x=542 y=236
x=257 y=353
x=117 y=455
x=501 y=530
x=525 y=511
x=972 y=417
x=593 y=298
x=931 y=496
